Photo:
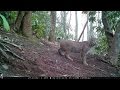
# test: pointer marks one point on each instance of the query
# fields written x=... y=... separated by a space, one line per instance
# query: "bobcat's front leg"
x=84 y=59
x=67 y=56
x=61 y=52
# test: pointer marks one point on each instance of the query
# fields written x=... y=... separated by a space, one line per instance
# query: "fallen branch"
x=13 y=54
x=5 y=49
x=19 y=47
x=4 y=53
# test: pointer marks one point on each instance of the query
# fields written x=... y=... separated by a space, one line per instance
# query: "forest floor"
x=43 y=59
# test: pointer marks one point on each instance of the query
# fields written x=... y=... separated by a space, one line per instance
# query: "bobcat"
x=67 y=46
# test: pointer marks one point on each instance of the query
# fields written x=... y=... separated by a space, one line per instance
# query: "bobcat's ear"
x=58 y=39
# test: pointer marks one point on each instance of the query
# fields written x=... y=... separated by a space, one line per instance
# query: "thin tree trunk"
x=98 y=22
x=82 y=31
x=53 y=24
x=83 y=37
x=88 y=27
x=76 y=27
x=64 y=23
x=69 y=24
x=19 y=20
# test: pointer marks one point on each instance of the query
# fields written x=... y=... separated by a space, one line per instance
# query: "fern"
x=5 y=23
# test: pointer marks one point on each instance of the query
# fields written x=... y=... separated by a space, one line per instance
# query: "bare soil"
x=44 y=60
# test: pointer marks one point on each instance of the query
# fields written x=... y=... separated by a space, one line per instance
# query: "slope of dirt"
x=44 y=60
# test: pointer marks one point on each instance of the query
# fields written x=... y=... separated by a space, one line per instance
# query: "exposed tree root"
x=6 y=51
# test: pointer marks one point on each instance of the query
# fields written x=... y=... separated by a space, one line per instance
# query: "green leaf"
x=5 y=23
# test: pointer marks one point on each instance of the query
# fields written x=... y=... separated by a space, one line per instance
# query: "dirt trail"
x=44 y=60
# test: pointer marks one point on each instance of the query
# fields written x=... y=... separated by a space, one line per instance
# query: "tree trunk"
x=112 y=40
x=76 y=27
x=23 y=23
x=64 y=23
x=114 y=49
x=19 y=20
x=117 y=44
x=53 y=24
x=88 y=27
x=26 y=24
x=99 y=20
x=107 y=29
x=69 y=24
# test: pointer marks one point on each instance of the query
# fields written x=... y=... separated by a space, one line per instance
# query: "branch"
x=19 y=47
x=83 y=30
x=14 y=55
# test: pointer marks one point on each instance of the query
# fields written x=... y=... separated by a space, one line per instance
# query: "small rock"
x=65 y=75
